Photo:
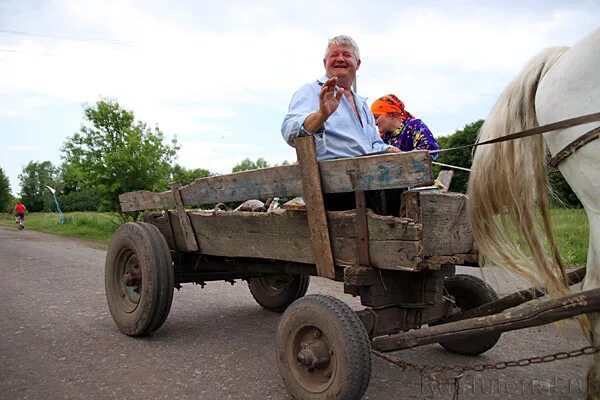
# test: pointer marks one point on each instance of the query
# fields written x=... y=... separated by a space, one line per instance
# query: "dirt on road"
x=58 y=340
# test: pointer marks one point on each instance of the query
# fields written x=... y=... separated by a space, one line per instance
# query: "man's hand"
x=393 y=149
x=329 y=101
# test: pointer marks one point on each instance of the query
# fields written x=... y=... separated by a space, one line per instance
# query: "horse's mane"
x=508 y=185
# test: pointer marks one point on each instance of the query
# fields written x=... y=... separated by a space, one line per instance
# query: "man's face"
x=341 y=61
x=386 y=123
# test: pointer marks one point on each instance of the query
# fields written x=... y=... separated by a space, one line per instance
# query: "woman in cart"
x=398 y=127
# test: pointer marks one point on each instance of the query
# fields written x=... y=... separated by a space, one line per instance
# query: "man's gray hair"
x=343 y=40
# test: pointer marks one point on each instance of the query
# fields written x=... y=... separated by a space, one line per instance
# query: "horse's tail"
x=508 y=185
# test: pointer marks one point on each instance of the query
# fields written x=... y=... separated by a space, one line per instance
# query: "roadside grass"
x=570 y=229
x=571 y=232
x=97 y=227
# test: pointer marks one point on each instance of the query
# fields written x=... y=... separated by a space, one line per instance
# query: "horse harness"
x=562 y=154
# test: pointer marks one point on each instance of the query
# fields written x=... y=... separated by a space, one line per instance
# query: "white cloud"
x=21 y=148
x=192 y=67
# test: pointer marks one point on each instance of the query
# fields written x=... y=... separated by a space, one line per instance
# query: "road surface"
x=58 y=340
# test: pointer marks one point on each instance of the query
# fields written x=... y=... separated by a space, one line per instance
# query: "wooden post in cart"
x=315 y=208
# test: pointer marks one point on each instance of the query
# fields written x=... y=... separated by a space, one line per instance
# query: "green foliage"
x=183 y=176
x=248 y=164
x=115 y=154
x=71 y=179
x=460 y=158
x=80 y=200
x=34 y=179
x=562 y=192
x=5 y=196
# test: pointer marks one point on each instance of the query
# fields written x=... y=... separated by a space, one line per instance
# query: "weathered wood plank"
x=184 y=221
x=535 y=315
x=162 y=222
x=362 y=228
x=445 y=222
x=315 y=209
x=445 y=178
x=436 y=262
x=383 y=171
x=409 y=206
x=394 y=242
x=514 y=299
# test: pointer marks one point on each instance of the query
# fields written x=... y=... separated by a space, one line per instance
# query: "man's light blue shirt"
x=343 y=135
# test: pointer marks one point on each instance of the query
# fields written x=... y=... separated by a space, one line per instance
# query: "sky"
x=219 y=75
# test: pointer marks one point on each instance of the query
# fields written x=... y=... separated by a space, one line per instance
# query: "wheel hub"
x=312 y=360
x=313 y=354
x=130 y=279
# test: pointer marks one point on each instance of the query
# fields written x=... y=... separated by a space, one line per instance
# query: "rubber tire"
x=278 y=300
x=349 y=342
x=156 y=296
x=470 y=292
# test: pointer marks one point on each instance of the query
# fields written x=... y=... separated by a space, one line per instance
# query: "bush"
x=84 y=200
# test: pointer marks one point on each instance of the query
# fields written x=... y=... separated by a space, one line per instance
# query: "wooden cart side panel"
x=384 y=171
x=285 y=236
x=162 y=222
x=447 y=230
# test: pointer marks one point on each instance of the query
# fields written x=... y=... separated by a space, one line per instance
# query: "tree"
x=74 y=195
x=461 y=157
x=5 y=196
x=114 y=153
x=183 y=176
x=248 y=164
x=34 y=179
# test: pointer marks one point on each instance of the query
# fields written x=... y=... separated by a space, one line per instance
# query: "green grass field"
x=571 y=232
x=570 y=229
x=97 y=227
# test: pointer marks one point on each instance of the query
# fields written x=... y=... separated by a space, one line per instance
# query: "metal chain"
x=433 y=372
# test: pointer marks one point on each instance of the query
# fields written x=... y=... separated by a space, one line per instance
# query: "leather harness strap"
x=567 y=123
x=574 y=146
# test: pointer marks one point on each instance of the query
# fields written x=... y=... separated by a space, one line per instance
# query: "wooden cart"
x=401 y=261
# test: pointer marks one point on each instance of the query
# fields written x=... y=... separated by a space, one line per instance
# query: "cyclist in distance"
x=20 y=214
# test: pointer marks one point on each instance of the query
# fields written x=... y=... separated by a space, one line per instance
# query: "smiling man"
x=340 y=120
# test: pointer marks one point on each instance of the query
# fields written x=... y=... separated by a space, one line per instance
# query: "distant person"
x=19 y=212
x=327 y=108
x=398 y=127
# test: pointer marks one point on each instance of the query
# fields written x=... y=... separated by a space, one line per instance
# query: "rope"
x=451 y=166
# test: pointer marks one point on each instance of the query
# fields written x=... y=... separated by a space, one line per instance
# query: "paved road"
x=58 y=341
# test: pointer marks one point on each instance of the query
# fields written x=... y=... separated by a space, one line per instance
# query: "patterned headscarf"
x=391 y=106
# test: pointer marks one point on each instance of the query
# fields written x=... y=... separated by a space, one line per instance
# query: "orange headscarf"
x=391 y=106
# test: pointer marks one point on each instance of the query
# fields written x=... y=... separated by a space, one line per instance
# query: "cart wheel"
x=470 y=292
x=275 y=292
x=139 y=278
x=323 y=350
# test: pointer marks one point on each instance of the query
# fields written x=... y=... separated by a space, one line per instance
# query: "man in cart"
x=328 y=108
x=339 y=119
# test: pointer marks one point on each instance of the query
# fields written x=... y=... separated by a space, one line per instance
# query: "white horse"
x=508 y=185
